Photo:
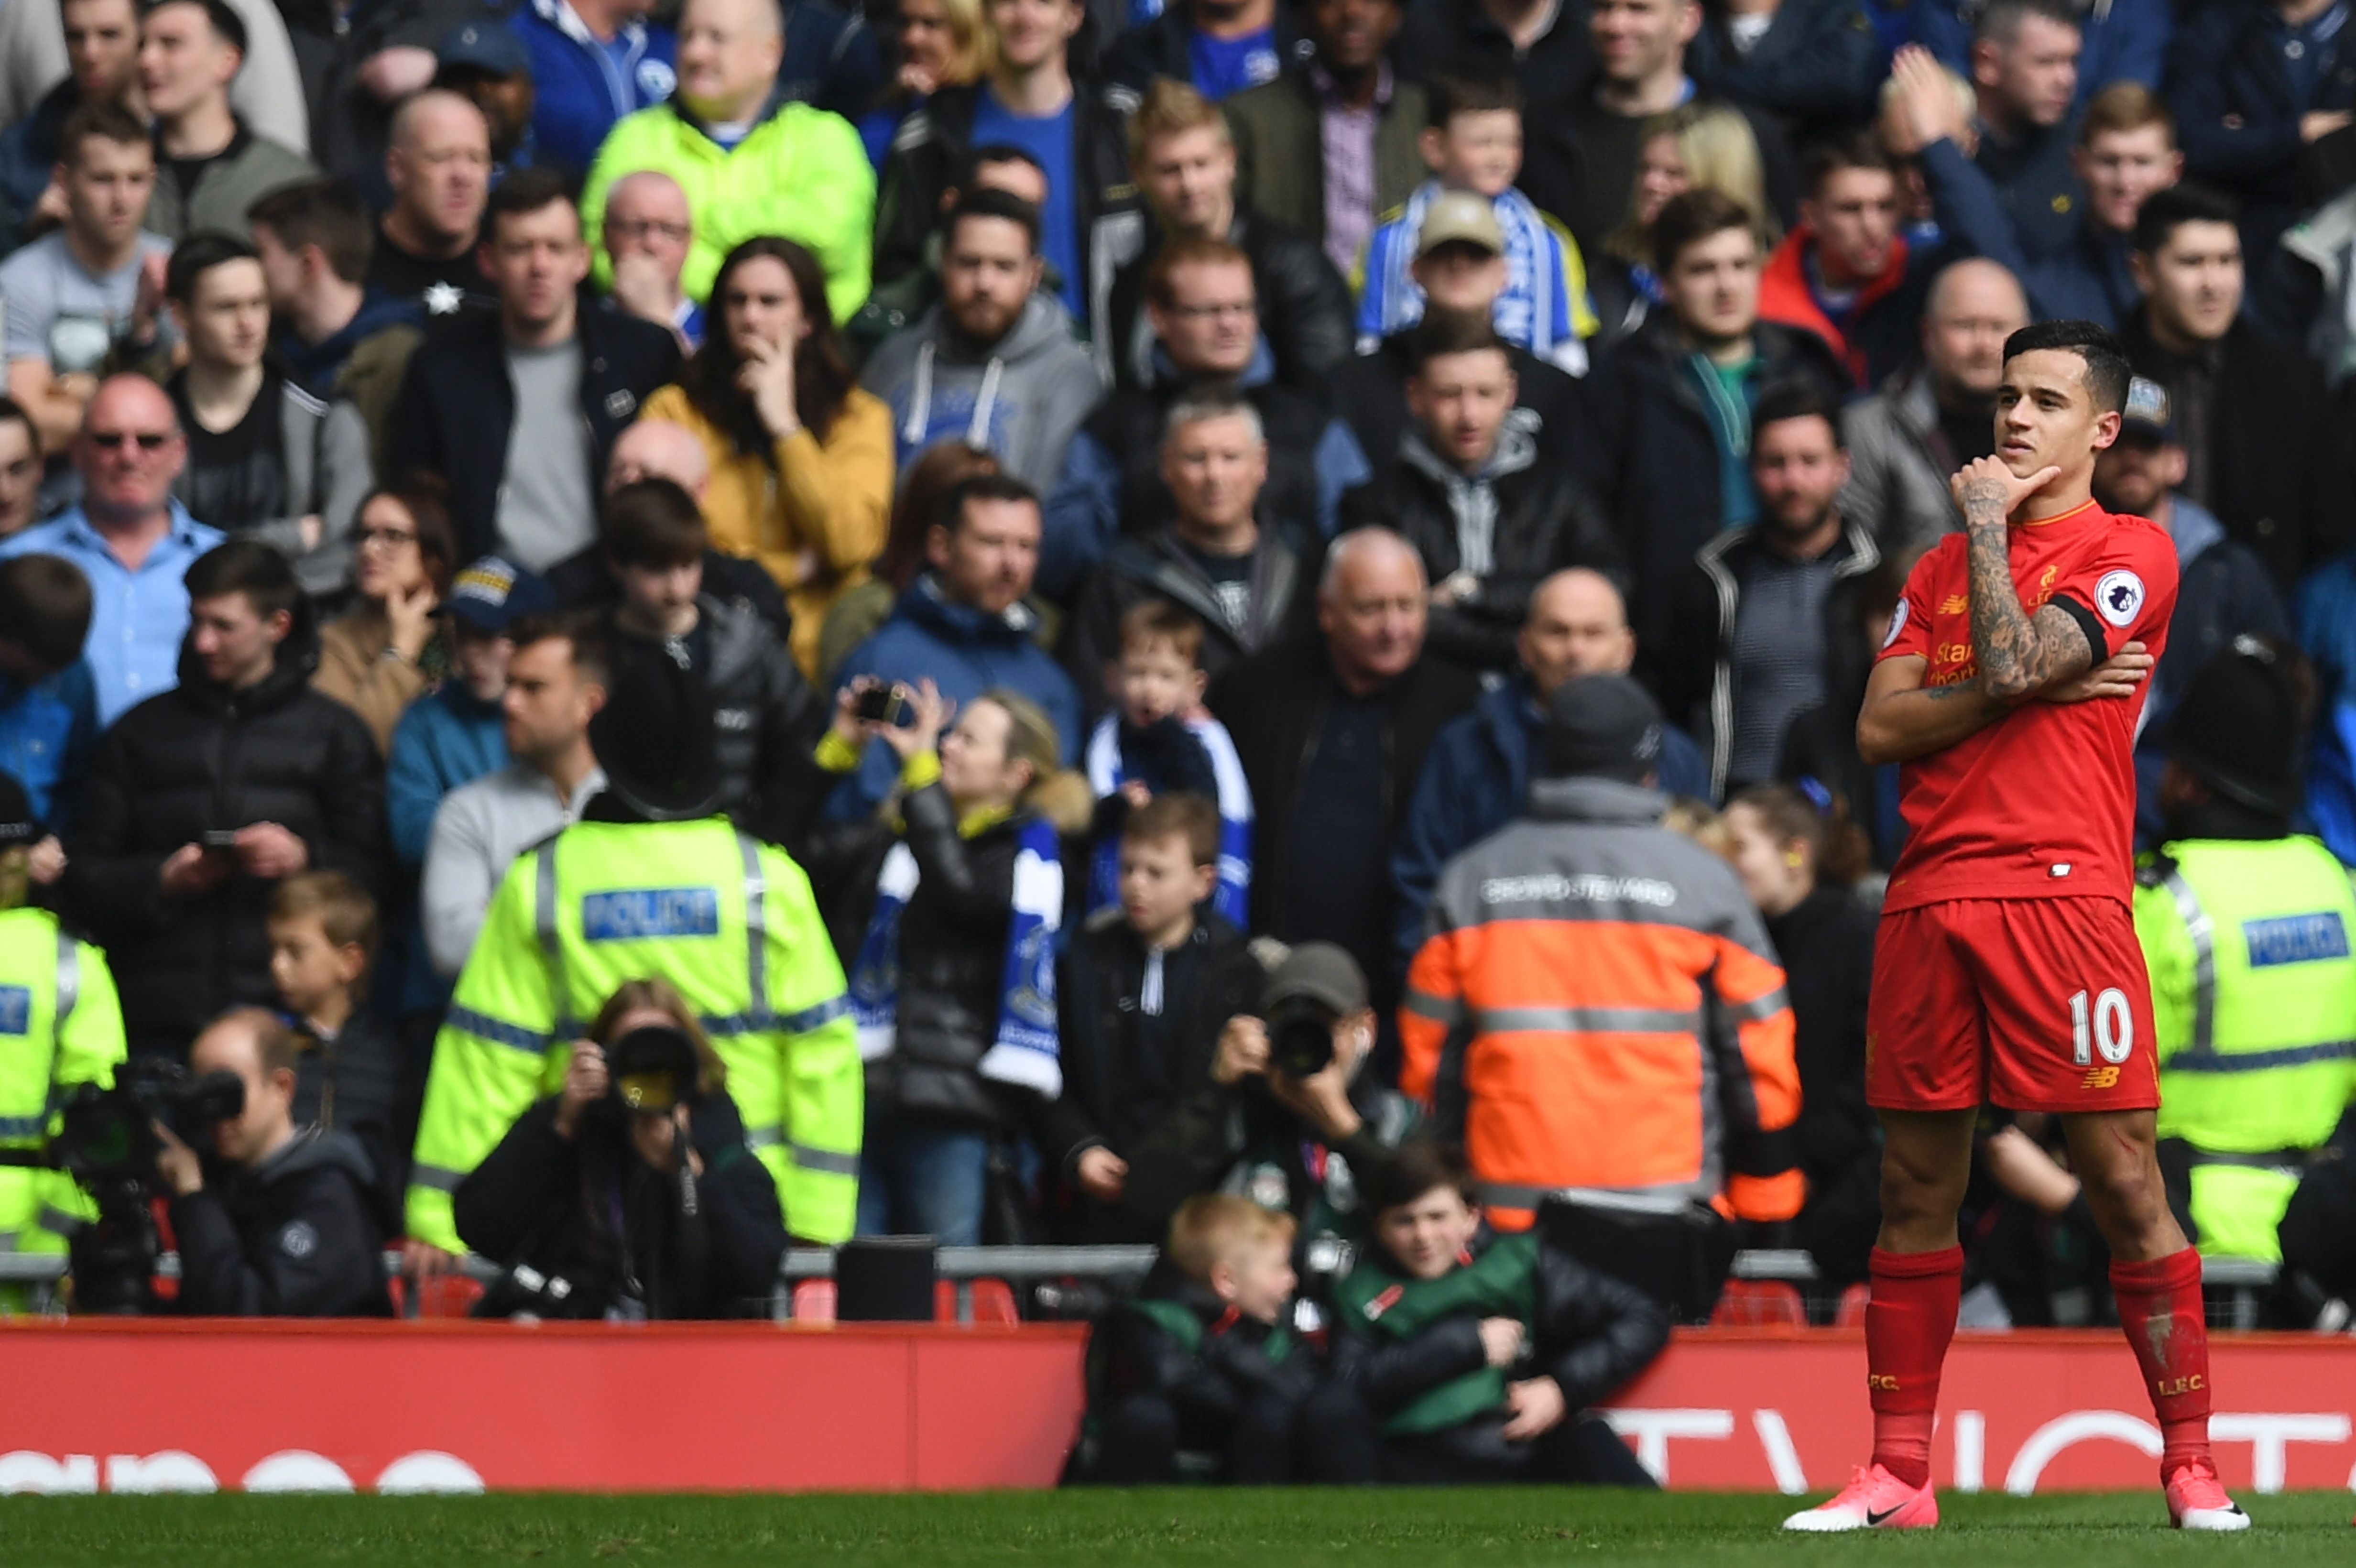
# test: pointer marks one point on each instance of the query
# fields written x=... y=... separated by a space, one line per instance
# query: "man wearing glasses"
x=130 y=537
x=645 y=236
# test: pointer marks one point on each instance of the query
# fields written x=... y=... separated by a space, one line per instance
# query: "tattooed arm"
x=2016 y=654
x=1903 y=719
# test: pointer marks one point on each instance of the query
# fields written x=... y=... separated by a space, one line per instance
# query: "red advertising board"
x=143 y=1406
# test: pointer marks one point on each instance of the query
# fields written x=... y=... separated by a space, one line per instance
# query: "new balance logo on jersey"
x=2101 y=1078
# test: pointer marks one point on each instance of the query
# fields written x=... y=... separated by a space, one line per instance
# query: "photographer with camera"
x=1282 y=1118
x=60 y=1025
x=281 y=1221
x=631 y=1193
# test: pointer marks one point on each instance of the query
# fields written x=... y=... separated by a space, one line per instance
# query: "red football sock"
x=2160 y=1313
x=1909 y=1320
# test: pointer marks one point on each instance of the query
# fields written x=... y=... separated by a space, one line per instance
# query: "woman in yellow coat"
x=802 y=459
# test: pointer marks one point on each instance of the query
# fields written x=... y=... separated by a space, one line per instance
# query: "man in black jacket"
x=1332 y=731
x=701 y=649
x=1461 y=1357
x=1144 y=991
x=1762 y=620
x=1242 y=576
x=290 y=1224
x=2259 y=432
x=1185 y=156
x=1466 y=487
x=199 y=800
x=1670 y=440
x=519 y=412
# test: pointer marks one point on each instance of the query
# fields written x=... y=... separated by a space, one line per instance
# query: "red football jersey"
x=2042 y=803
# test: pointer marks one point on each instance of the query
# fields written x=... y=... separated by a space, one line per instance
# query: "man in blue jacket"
x=592 y=61
x=963 y=626
x=1478 y=774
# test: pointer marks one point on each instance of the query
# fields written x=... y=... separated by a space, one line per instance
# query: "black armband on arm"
x=2096 y=637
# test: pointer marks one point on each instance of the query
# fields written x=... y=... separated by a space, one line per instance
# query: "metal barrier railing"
x=2240 y=1280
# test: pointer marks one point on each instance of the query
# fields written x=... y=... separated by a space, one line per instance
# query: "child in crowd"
x=1199 y=1373
x=1160 y=739
x=1144 y=990
x=322 y=941
x=1461 y=1358
x=1473 y=142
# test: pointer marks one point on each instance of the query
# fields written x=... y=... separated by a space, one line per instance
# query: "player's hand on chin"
x=1987 y=480
x=2117 y=675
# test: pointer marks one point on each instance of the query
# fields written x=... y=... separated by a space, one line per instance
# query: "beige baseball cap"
x=1460 y=217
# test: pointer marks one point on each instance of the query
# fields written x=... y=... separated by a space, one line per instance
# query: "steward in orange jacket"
x=1596 y=1010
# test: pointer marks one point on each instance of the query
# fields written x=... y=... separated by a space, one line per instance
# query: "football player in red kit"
x=2007 y=969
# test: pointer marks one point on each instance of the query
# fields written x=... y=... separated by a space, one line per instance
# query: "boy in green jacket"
x=1200 y=1375
x=1465 y=1359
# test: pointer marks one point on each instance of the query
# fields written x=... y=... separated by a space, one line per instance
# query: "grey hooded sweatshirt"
x=1021 y=399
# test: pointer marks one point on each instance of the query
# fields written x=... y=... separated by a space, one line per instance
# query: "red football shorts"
x=2025 y=1004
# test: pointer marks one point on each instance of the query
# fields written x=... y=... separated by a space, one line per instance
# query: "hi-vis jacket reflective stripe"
x=59 y=1025
x=726 y=919
x=1596 y=1009
x=2253 y=996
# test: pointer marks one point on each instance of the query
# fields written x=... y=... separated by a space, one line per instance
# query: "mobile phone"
x=219 y=838
x=884 y=705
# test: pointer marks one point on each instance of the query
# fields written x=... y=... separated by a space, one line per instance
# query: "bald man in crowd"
x=1907 y=439
x=644 y=238
x=1332 y=730
x=439 y=165
x=1479 y=771
x=657 y=449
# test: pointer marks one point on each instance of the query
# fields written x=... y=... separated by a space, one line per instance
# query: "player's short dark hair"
x=45 y=608
x=219 y=15
x=1796 y=400
x=2166 y=212
x=652 y=524
x=14 y=412
x=1002 y=204
x=2107 y=370
x=2000 y=20
x=1444 y=332
x=324 y=212
x=580 y=630
x=1417 y=1167
x=1180 y=813
x=106 y=121
x=1690 y=219
x=1469 y=91
x=259 y=571
x=197 y=255
x=989 y=154
x=1002 y=488
x=524 y=191
x=1828 y=155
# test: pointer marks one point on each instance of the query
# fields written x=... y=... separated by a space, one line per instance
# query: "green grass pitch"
x=1104 y=1530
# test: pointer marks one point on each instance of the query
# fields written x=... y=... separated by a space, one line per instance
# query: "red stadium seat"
x=993 y=1303
x=813 y=1301
x=1851 y=1313
x=1760 y=1304
x=447 y=1296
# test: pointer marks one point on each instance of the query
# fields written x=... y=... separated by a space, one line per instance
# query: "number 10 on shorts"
x=2108 y=1027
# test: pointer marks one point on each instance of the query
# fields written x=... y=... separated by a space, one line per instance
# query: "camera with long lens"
x=651 y=1070
x=106 y=1141
x=1301 y=1036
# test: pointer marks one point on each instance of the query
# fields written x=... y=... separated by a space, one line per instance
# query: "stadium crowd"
x=674 y=630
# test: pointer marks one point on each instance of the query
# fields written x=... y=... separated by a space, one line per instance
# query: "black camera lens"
x=652 y=1069
x=1301 y=1038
